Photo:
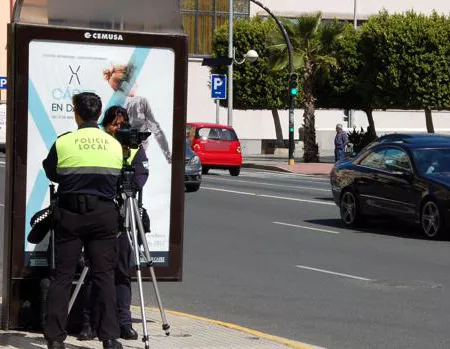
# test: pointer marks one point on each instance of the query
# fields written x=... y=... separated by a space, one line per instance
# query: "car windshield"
x=433 y=162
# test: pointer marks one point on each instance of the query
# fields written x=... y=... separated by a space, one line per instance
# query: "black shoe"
x=86 y=333
x=112 y=344
x=55 y=345
x=128 y=333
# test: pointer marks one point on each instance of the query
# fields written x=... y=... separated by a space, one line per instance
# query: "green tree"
x=352 y=85
x=407 y=60
x=312 y=44
x=254 y=88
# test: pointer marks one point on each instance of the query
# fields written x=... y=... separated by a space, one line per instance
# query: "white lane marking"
x=269 y=196
x=307 y=228
x=333 y=273
x=269 y=184
x=290 y=179
x=228 y=191
x=285 y=175
x=2 y=205
x=300 y=200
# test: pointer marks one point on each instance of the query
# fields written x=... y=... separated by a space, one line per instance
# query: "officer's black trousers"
x=123 y=287
x=96 y=231
x=123 y=281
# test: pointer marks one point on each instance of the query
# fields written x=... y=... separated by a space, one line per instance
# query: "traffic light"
x=346 y=115
x=293 y=84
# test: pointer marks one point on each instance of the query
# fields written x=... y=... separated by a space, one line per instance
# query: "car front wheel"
x=190 y=188
x=431 y=220
x=349 y=209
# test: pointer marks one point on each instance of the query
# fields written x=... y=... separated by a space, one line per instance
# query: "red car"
x=217 y=146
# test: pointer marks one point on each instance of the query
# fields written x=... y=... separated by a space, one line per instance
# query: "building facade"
x=202 y=108
x=202 y=17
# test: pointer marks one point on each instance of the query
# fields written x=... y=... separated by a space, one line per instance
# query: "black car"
x=402 y=176
x=192 y=169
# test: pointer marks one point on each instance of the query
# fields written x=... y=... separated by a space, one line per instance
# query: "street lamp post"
x=250 y=56
x=351 y=113
x=230 y=67
x=291 y=73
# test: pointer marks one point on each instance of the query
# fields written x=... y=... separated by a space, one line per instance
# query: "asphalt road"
x=267 y=251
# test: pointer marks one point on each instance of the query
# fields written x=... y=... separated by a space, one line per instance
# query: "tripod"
x=133 y=225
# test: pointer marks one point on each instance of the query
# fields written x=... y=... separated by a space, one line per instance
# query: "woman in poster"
x=138 y=108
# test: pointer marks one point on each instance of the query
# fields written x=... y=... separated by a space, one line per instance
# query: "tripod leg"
x=131 y=218
x=165 y=325
x=78 y=287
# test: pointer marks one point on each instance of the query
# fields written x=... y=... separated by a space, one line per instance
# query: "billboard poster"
x=140 y=79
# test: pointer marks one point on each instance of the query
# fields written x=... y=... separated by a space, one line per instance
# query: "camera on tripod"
x=131 y=137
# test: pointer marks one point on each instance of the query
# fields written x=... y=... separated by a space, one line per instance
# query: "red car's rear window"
x=216 y=133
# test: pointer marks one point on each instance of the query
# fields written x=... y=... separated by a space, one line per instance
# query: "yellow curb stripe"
x=287 y=342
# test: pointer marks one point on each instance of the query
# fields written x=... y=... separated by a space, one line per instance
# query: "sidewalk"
x=187 y=332
x=274 y=163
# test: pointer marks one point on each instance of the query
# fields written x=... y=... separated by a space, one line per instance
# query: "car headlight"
x=194 y=161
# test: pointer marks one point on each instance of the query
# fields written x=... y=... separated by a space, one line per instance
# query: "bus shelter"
x=129 y=52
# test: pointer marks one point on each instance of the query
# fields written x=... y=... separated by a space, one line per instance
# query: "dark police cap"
x=40 y=223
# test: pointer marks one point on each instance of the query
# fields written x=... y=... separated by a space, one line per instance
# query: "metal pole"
x=291 y=71
x=230 y=67
x=217 y=111
x=351 y=113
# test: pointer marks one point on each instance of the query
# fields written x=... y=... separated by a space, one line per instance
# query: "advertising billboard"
x=140 y=79
x=127 y=61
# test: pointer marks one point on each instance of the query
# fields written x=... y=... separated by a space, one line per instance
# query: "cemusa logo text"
x=103 y=36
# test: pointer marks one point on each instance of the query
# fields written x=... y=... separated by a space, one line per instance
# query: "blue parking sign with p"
x=2 y=82
x=218 y=86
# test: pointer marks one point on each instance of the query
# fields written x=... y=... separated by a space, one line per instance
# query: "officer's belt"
x=80 y=203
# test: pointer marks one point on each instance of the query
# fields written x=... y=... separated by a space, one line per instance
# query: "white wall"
x=394 y=121
x=258 y=124
x=364 y=7
x=253 y=124
x=4 y=19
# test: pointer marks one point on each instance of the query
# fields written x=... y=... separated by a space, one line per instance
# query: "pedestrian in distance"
x=340 y=143
x=115 y=118
x=86 y=164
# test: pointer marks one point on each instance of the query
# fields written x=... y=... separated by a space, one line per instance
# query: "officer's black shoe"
x=55 y=345
x=86 y=333
x=112 y=344
x=128 y=333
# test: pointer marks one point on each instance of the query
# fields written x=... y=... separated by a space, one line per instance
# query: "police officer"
x=86 y=164
x=115 y=118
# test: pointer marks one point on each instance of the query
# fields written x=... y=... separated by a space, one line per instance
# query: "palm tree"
x=312 y=44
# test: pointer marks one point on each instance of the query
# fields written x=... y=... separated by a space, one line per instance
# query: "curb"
x=265 y=167
x=280 y=169
x=287 y=342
